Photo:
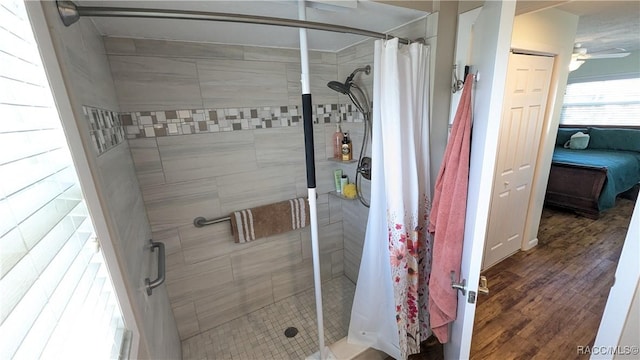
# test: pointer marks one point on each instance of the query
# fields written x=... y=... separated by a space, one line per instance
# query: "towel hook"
x=457 y=83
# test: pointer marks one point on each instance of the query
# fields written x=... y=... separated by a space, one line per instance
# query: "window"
x=611 y=103
x=56 y=296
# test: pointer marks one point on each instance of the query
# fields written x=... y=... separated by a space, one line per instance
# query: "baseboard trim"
x=530 y=244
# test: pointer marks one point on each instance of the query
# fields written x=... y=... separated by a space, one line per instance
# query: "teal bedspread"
x=623 y=169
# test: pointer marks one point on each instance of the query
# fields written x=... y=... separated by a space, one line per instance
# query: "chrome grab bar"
x=200 y=221
x=150 y=285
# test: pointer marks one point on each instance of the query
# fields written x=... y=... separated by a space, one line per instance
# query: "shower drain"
x=291 y=332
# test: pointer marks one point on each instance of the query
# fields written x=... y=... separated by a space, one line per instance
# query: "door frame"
x=492 y=35
x=619 y=301
x=82 y=165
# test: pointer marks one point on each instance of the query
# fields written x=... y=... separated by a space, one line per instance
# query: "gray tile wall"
x=212 y=91
x=191 y=161
x=355 y=215
x=211 y=279
x=152 y=75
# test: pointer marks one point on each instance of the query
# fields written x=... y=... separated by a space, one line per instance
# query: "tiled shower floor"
x=260 y=334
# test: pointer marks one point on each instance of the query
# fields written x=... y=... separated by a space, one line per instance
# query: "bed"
x=588 y=181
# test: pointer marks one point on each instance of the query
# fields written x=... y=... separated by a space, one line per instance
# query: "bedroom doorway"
x=527 y=90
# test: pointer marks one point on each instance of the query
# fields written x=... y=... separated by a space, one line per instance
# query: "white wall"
x=84 y=66
x=553 y=32
x=630 y=338
x=441 y=35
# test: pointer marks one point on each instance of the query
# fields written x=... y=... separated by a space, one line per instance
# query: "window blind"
x=56 y=297
x=609 y=103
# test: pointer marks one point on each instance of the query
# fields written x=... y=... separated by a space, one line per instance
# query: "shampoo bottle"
x=344 y=180
x=346 y=147
x=337 y=176
x=337 y=143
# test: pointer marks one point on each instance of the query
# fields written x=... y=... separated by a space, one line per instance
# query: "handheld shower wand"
x=360 y=100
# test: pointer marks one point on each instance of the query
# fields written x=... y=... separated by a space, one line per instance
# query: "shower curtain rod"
x=70 y=13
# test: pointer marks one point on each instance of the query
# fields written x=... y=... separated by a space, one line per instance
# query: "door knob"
x=482 y=288
x=462 y=286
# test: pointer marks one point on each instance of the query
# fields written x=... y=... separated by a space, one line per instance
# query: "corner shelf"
x=339 y=195
x=342 y=161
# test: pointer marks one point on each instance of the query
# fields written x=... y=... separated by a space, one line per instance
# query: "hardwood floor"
x=546 y=302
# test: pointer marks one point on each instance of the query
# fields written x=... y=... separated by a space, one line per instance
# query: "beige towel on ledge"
x=262 y=221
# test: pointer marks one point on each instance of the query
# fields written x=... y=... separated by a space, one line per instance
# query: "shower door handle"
x=150 y=285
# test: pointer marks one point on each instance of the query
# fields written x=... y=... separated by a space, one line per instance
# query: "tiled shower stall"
x=206 y=129
x=235 y=142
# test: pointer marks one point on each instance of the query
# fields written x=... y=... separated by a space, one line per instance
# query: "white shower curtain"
x=390 y=305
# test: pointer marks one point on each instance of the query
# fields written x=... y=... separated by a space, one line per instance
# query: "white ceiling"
x=606 y=25
x=603 y=25
x=367 y=15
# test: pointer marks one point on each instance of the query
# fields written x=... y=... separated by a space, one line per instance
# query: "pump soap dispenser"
x=337 y=143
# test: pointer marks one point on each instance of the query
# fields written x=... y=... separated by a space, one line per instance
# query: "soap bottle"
x=337 y=143
x=346 y=147
x=344 y=180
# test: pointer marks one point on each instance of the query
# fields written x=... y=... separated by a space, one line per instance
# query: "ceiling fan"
x=580 y=55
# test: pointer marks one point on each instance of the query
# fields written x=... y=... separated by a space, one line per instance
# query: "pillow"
x=615 y=139
x=578 y=141
x=564 y=134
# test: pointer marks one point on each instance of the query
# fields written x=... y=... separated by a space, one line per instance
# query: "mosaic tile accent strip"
x=144 y=124
x=260 y=334
x=105 y=128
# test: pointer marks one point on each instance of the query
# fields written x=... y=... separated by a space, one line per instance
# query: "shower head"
x=358 y=96
x=339 y=87
x=345 y=88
